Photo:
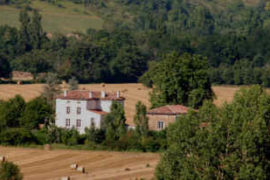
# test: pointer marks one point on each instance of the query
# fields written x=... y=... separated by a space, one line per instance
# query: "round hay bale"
x=73 y=166
x=81 y=169
x=65 y=178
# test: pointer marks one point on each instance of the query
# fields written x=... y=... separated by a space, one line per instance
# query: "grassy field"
x=132 y=92
x=39 y=164
x=69 y=18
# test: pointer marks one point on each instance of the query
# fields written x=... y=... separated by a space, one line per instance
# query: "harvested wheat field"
x=132 y=92
x=39 y=164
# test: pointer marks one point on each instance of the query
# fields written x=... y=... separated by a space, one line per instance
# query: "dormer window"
x=79 y=110
x=68 y=110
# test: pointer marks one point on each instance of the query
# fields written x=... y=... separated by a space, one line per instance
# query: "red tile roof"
x=169 y=110
x=99 y=112
x=85 y=95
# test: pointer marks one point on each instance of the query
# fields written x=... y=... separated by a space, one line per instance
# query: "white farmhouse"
x=81 y=108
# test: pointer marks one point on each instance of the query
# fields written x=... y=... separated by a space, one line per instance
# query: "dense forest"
x=233 y=35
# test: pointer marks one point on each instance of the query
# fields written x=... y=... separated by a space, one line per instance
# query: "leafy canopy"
x=115 y=122
x=10 y=171
x=141 y=119
x=179 y=80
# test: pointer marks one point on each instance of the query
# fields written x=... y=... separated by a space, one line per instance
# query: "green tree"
x=17 y=136
x=10 y=171
x=36 y=61
x=115 y=122
x=11 y=111
x=37 y=111
x=94 y=135
x=73 y=84
x=36 y=31
x=24 y=36
x=4 y=67
x=51 y=89
x=221 y=143
x=141 y=119
x=180 y=80
x=128 y=65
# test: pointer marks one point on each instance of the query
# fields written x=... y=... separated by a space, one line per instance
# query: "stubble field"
x=39 y=164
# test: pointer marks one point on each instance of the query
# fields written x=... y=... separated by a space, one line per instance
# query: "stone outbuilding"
x=159 y=118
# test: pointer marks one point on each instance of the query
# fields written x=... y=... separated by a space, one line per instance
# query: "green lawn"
x=71 y=17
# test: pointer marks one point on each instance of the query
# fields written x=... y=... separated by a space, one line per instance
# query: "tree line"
x=229 y=36
x=98 y=56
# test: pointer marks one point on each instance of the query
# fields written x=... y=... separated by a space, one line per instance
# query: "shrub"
x=10 y=171
x=41 y=136
x=16 y=136
x=93 y=135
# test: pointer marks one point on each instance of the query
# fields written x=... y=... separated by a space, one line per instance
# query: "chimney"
x=65 y=93
x=118 y=94
x=103 y=94
x=90 y=94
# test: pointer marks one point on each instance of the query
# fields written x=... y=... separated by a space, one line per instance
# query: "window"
x=68 y=110
x=160 y=125
x=78 y=110
x=92 y=122
x=78 y=123
x=67 y=122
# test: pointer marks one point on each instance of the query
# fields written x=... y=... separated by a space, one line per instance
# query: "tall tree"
x=227 y=143
x=51 y=89
x=141 y=119
x=180 y=80
x=115 y=122
x=36 y=31
x=24 y=36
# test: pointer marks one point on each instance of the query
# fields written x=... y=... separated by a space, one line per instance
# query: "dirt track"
x=38 y=164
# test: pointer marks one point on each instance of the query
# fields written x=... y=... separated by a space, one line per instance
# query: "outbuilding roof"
x=169 y=110
x=100 y=112
x=91 y=95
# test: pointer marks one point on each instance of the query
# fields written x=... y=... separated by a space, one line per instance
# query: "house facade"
x=159 y=118
x=80 y=108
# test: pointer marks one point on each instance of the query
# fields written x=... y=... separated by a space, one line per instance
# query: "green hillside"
x=69 y=17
